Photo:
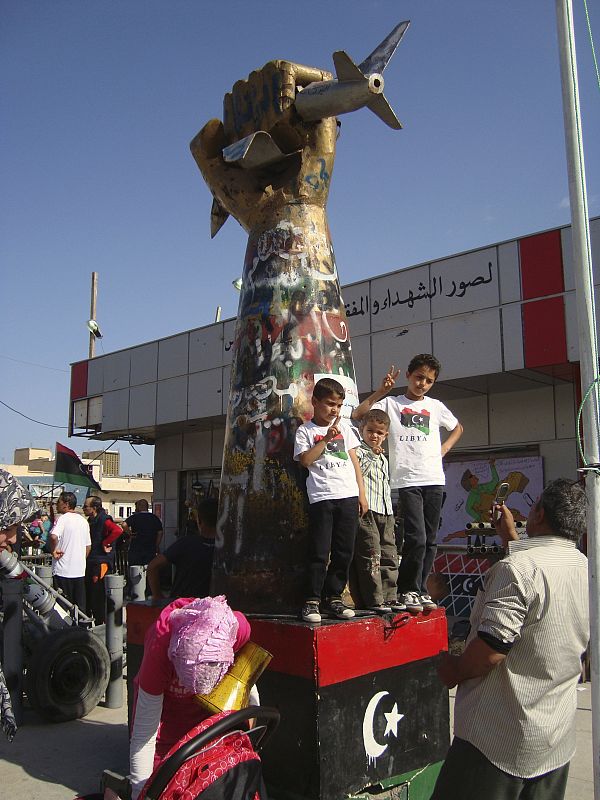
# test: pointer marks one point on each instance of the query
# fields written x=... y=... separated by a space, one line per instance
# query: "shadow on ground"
x=60 y=761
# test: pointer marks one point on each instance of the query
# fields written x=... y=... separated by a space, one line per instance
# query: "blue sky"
x=100 y=101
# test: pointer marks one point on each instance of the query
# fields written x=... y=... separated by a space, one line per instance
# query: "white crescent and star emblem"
x=417 y=419
x=373 y=748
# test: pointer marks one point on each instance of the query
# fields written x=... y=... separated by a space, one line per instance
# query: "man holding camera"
x=514 y=716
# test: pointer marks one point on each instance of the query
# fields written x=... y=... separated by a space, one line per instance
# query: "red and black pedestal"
x=362 y=709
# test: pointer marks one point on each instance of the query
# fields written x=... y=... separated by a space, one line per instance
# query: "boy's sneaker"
x=427 y=603
x=384 y=608
x=397 y=605
x=338 y=610
x=412 y=601
x=310 y=612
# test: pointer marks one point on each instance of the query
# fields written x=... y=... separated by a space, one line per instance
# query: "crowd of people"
x=517 y=677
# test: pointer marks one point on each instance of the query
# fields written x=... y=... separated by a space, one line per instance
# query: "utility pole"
x=588 y=343
x=94 y=295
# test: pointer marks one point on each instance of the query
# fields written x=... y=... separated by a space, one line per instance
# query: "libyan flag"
x=416 y=419
x=70 y=469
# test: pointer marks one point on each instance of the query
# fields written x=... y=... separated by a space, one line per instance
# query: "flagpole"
x=588 y=344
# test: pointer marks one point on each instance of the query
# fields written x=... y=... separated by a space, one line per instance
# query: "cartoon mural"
x=470 y=490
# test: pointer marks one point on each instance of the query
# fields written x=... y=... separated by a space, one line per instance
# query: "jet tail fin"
x=380 y=106
x=345 y=68
x=379 y=58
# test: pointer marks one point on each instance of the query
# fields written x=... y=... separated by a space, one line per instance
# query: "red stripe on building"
x=79 y=380
x=544 y=333
x=541 y=265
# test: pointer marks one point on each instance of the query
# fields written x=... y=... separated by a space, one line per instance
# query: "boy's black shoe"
x=310 y=612
x=338 y=610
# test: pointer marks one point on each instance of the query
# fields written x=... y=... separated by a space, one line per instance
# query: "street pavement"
x=61 y=761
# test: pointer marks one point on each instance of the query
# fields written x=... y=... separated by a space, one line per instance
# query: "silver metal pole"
x=137 y=583
x=114 y=587
x=588 y=345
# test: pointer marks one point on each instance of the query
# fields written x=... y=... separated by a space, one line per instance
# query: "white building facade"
x=501 y=319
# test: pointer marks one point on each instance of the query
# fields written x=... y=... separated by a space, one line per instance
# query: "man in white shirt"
x=70 y=544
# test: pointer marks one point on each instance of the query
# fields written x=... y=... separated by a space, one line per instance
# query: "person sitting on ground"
x=187 y=651
x=375 y=554
x=191 y=555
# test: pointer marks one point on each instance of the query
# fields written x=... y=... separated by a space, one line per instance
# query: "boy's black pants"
x=420 y=508
x=333 y=525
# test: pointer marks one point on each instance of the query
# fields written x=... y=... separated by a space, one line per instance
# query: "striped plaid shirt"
x=376 y=477
x=534 y=603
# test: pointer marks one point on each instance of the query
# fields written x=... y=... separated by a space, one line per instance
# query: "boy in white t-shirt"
x=416 y=453
x=325 y=446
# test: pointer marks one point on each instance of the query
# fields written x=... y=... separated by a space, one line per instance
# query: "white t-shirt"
x=332 y=476
x=73 y=532
x=414 y=440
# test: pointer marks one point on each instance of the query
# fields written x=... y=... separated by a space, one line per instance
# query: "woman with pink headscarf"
x=187 y=651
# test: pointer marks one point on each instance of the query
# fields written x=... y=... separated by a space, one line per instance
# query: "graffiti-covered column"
x=271 y=171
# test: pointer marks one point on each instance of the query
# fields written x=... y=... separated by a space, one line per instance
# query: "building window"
x=121 y=512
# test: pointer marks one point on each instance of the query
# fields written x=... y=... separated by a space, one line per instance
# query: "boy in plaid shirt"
x=376 y=555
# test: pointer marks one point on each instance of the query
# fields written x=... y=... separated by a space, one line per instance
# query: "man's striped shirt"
x=534 y=603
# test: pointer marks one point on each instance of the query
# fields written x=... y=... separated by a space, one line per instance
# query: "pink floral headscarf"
x=201 y=649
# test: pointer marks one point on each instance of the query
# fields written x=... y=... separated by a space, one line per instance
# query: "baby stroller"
x=216 y=760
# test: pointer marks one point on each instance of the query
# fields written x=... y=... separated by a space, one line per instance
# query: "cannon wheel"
x=67 y=674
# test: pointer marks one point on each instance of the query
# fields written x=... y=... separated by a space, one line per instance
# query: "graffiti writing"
x=322 y=179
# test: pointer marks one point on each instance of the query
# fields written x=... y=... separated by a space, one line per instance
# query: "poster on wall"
x=470 y=490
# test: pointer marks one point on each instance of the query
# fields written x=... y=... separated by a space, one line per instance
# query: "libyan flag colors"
x=416 y=419
x=70 y=469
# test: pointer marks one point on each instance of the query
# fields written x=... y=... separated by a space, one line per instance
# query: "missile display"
x=354 y=87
